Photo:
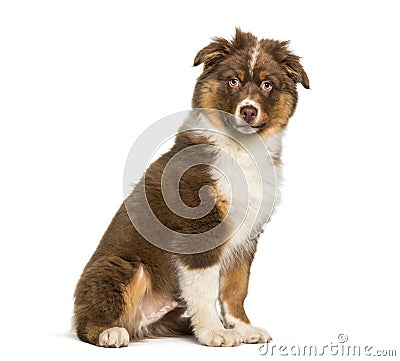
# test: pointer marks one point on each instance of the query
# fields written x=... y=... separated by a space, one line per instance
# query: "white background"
x=80 y=81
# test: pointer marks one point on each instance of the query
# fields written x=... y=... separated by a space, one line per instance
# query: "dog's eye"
x=234 y=82
x=266 y=85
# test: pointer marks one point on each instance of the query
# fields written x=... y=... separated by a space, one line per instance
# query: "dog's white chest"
x=250 y=184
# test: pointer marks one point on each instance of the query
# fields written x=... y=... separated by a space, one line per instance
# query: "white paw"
x=250 y=334
x=114 y=337
x=220 y=337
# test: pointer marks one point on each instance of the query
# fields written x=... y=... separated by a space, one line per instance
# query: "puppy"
x=143 y=281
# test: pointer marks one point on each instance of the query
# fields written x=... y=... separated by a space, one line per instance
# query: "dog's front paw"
x=251 y=334
x=220 y=337
x=114 y=337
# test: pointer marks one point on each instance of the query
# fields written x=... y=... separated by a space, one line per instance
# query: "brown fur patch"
x=233 y=290
x=91 y=333
x=191 y=181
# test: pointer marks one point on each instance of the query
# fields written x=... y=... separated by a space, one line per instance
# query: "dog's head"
x=253 y=79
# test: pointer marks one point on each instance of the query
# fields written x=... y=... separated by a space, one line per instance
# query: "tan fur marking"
x=207 y=99
x=277 y=162
x=221 y=203
x=240 y=74
x=279 y=115
x=233 y=290
x=290 y=70
x=263 y=75
x=133 y=294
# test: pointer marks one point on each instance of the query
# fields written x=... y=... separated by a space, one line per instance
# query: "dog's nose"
x=248 y=113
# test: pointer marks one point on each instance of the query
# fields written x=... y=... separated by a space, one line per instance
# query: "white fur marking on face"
x=254 y=54
x=114 y=337
x=247 y=102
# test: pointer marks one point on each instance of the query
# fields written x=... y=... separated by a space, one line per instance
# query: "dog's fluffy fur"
x=130 y=288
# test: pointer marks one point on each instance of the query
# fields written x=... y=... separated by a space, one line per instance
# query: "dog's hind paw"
x=114 y=337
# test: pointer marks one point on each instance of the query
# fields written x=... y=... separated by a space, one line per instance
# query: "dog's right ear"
x=213 y=53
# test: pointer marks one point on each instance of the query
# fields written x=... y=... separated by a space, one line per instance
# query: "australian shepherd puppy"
x=196 y=282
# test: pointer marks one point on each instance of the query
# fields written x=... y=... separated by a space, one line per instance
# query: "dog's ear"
x=213 y=53
x=290 y=63
x=295 y=70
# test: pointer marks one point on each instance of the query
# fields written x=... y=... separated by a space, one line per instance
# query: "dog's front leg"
x=233 y=291
x=199 y=289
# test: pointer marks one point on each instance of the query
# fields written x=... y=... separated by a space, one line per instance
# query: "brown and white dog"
x=131 y=288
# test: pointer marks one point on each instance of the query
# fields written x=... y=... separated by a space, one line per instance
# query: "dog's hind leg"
x=174 y=323
x=107 y=300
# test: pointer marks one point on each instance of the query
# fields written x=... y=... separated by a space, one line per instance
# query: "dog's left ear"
x=288 y=61
x=295 y=71
x=213 y=53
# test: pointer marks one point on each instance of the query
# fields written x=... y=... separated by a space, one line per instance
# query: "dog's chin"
x=245 y=128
